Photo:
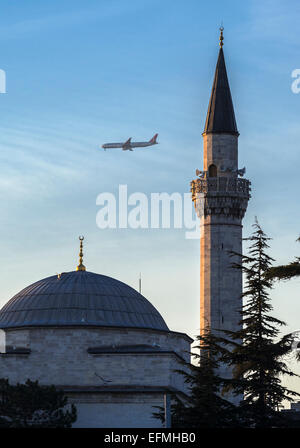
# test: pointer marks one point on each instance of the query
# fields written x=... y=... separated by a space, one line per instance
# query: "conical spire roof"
x=220 y=115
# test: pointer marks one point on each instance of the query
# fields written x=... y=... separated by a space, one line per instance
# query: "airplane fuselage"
x=132 y=145
x=128 y=145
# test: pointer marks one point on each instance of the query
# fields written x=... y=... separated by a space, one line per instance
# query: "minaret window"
x=212 y=171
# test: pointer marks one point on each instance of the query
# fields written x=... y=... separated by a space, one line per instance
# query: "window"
x=212 y=171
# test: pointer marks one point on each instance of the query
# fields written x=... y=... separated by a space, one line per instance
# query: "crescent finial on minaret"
x=81 y=266
x=221 y=36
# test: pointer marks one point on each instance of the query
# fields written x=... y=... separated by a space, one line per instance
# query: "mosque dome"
x=80 y=298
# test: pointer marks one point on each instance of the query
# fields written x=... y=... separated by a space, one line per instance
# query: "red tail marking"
x=153 y=139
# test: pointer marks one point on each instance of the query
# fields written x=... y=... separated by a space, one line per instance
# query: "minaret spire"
x=81 y=266
x=220 y=117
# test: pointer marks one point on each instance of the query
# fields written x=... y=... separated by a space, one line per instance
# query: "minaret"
x=220 y=197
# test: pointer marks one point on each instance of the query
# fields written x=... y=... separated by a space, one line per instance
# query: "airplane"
x=128 y=145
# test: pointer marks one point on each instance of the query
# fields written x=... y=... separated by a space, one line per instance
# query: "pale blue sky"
x=83 y=73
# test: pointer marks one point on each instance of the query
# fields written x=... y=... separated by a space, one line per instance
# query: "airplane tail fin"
x=127 y=144
x=153 y=139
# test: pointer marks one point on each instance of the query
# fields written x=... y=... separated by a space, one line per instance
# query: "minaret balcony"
x=238 y=186
x=221 y=196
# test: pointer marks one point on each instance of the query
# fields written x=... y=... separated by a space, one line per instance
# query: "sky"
x=80 y=74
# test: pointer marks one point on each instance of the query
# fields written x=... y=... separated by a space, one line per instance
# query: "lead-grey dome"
x=80 y=298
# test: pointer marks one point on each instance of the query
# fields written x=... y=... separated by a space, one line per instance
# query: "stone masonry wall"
x=59 y=356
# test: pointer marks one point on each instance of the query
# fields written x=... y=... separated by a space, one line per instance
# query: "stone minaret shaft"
x=220 y=197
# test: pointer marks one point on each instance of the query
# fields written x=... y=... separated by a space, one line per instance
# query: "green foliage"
x=177 y=406
x=206 y=408
x=284 y=272
x=35 y=406
x=255 y=354
x=258 y=360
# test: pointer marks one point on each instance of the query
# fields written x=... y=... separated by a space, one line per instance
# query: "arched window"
x=212 y=171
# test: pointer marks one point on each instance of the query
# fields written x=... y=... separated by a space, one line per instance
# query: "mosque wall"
x=86 y=360
x=117 y=410
x=60 y=356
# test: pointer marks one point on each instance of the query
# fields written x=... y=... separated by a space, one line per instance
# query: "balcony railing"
x=221 y=185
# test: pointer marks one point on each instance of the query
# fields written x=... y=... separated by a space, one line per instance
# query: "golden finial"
x=81 y=267
x=221 y=36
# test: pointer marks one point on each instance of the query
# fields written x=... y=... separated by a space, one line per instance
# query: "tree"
x=285 y=272
x=257 y=357
x=206 y=408
x=32 y=405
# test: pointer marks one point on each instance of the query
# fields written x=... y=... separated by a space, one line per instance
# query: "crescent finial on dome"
x=81 y=266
